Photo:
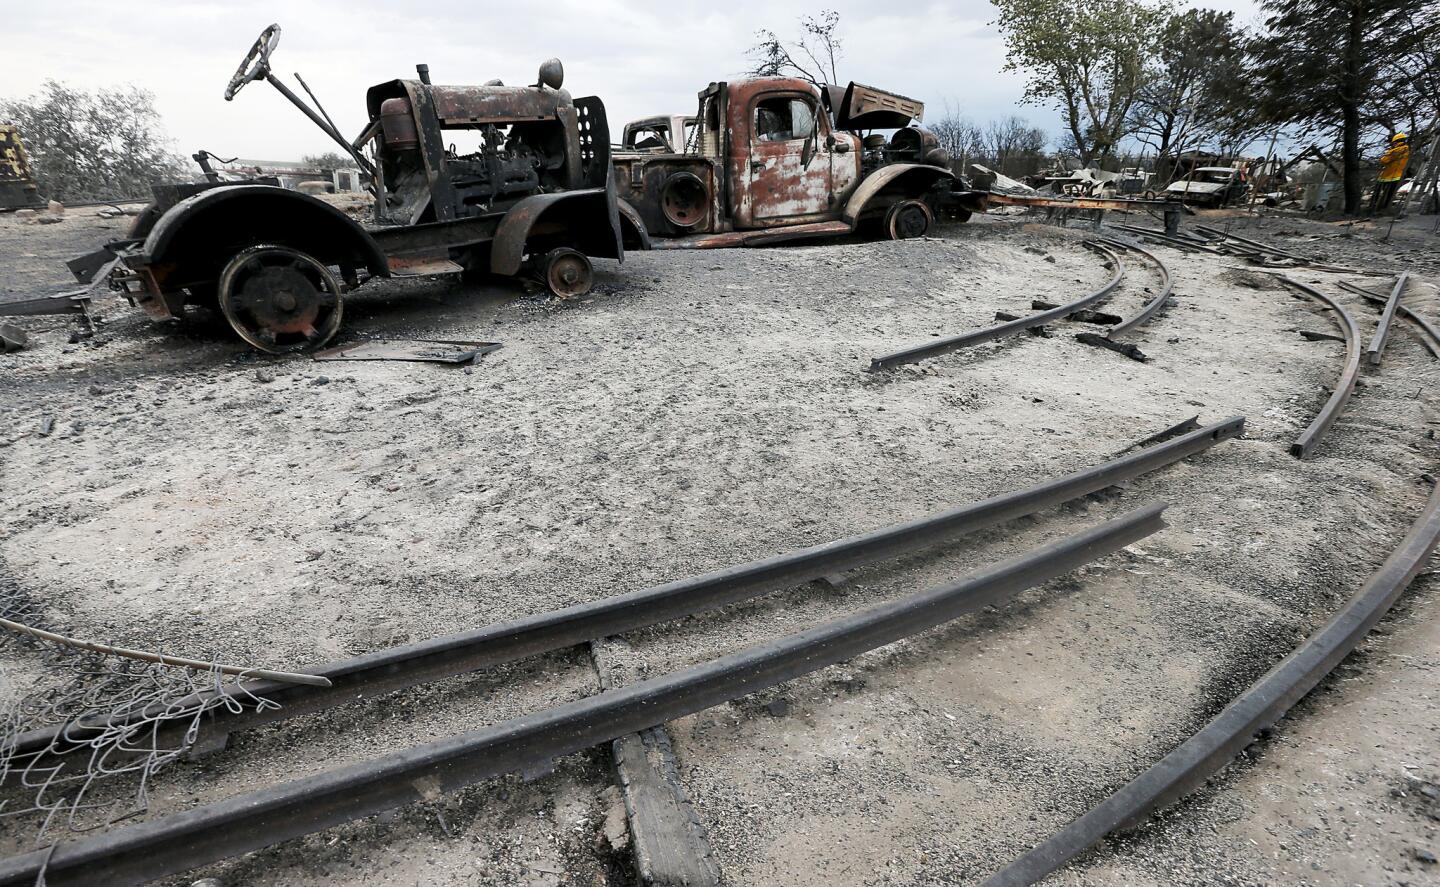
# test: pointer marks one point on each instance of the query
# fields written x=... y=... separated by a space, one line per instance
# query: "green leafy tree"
x=105 y=144
x=1087 y=58
x=1329 y=68
x=1195 y=88
x=327 y=160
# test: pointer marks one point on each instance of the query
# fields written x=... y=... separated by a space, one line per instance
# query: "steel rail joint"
x=1261 y=705
x=178 y=842
x=1344 y=387
x=1010 y=328
x=406 y=666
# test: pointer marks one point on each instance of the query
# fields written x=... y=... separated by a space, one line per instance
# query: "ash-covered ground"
x=701 y=409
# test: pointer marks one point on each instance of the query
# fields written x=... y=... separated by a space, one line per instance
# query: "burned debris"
x=17 y=186
x=669 y=589
x=773 y=159
x=278 y=264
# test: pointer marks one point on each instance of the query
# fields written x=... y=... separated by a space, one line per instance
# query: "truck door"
x=784 y=134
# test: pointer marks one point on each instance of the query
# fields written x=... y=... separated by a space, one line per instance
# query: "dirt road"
x=708 y=408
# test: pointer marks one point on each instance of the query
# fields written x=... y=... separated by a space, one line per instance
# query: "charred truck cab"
x=776 y=159
x=530 y=186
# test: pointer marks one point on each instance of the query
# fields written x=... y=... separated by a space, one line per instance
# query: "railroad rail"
x=182 y=841
x=1153 y=307
x=1387 y=316
x=1178 y=241
x=1430 y=337
x=413 y=664
x=1305 y=444
x=1009 y=328
x=1261 y=705
x=1261 y=252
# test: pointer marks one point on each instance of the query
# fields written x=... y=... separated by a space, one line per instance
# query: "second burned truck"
x=773 y=159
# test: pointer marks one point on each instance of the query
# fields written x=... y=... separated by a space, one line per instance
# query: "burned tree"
x=812 y=57
x=1015 y=147
x=961 y=137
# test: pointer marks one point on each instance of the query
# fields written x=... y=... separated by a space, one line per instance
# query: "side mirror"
x=830 y=140
x=841 y=147
x=552 y=74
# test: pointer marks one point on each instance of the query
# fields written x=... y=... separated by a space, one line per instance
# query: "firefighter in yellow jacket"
x=1392 y=170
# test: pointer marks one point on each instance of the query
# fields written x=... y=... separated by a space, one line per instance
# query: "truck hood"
x=865 y=107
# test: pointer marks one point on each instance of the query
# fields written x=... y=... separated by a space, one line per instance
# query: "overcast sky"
x=641 y=57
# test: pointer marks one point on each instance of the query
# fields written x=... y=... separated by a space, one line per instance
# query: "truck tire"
x=280 y=299
x=567 y=273
x=908 y=218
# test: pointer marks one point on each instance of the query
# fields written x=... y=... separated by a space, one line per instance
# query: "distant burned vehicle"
x=17 y=186
x=532 y=186
x=668 y=133
x=774 y=159
x=1209 y=186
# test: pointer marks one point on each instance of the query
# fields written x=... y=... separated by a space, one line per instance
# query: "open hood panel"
x=865 y=107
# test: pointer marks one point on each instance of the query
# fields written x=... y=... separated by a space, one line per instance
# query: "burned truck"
x=532 y=191
x=775 y=159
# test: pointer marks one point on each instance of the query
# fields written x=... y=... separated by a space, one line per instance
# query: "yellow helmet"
x=1399 y=137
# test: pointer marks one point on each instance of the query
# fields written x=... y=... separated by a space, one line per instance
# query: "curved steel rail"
x=530 y=743
x=1265 y=702
x=1431 y=337
x=1177 y=241
x=1246 y=246
x=1308 y=438
x=1010 y=328
x=1156 y=303
x=1387 y=318
x=406 y=666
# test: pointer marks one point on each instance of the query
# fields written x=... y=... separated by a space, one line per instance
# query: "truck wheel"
x=280 y=299
x=567 y=273
x=908 y=218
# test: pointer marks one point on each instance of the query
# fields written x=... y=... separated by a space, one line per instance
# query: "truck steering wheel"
x=256 y=64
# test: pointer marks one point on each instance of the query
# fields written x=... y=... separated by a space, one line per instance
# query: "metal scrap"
x=12 y=338
x=451 y=351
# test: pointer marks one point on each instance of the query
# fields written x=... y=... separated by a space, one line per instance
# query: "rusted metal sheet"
x=865 y=107
x=496 y=104
x=762 y=237
x=645 y=182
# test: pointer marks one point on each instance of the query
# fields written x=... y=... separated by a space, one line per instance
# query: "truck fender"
x=898 y=180
x=632 y=228
x=196 y=236
x=586 y=219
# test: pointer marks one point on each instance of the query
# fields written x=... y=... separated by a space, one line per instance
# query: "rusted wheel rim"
x=683 y=199
x=908 y=218
x=568 y=273
x=280 y=299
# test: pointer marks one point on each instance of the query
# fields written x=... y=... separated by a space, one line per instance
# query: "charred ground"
x=701 y=409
